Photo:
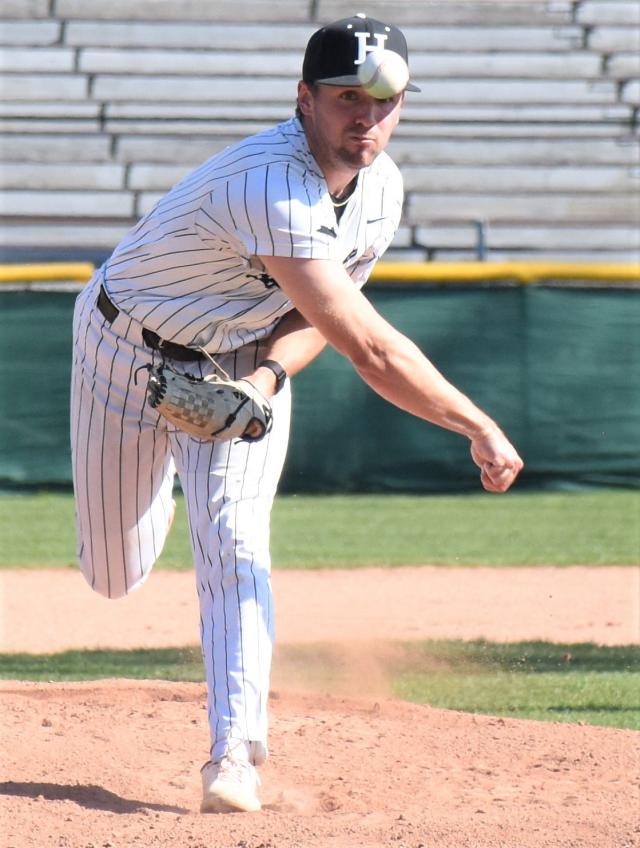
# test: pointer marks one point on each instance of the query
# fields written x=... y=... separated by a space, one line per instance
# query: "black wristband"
x=278 y=370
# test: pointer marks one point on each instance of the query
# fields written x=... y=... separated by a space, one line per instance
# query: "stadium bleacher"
x=526 y=126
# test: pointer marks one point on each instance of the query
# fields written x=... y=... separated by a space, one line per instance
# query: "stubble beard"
x=358 y=159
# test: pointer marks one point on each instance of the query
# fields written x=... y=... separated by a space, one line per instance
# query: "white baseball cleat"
x=229 y=786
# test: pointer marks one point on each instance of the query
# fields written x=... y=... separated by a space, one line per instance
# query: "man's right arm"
x=391 y=363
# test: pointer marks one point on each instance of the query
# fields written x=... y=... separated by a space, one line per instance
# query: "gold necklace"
x=338 y=203
x=351 y=187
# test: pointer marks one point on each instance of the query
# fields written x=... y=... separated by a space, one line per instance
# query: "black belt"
x=151 y=339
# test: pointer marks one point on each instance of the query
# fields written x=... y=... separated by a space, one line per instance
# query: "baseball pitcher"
x=184 y=343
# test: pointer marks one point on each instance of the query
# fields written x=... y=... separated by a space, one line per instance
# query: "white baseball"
x=383 y=74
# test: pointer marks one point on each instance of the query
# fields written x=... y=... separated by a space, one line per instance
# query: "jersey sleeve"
x=272 y=210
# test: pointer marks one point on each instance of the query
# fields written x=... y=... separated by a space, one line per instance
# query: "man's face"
x=346 y=126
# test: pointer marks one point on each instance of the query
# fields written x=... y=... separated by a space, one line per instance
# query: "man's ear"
x=305 y=98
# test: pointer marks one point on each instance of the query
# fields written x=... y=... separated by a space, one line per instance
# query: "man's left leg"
x=229 y=489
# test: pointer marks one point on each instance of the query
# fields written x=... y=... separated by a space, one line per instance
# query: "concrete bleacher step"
x=222 y=132
x=518 y=65
x=60 y=126
x=631 y=93
x=47 y=59
x=47 y=109
x=551 y=113
x=201 y=36
x=47 y=147
x=510 y=65
x=68 y=204
x=561 y=207
x=611 y=12
x=199 y=63
x=32 y=33
x=456 y=11
x=615 y=39
x=203 y=112
x=58 y=87
x=565 y=237
x=25 y=8
x=25 y=233
x=487 y=130
x=548 y=152
x=232 y=89
x=155 y=177
x=597 y=257
x=535 y=179
x=198 y=10
x=290 y=36
x=36 y=175
x=166 y=149
x=623 y=65
x=464 y=235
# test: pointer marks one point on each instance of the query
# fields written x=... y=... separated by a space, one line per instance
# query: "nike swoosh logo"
x=328 y=231
x=375 y=220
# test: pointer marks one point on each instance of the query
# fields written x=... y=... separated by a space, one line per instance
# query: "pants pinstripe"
x=125 y=458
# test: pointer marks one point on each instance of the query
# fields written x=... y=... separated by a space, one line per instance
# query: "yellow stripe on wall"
x=46 y=272
x=522 y=272
x=391 y=272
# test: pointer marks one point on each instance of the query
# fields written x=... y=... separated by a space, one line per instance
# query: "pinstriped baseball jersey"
x=190 y=270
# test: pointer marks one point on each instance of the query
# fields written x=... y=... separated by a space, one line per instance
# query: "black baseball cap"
x=335 y=51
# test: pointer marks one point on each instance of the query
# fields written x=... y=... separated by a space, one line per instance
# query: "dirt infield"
x=48 y=611
x=115 y=764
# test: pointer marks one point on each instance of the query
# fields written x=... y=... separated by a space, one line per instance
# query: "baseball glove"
x=209 y=407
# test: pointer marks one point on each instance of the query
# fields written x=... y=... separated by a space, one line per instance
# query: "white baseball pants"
x=125 y=457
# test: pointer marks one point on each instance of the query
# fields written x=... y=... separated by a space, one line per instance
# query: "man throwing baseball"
x=247 y=268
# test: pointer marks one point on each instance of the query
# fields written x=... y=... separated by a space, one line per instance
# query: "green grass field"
x=540 y=680
x=586 y=683
x=591 y=528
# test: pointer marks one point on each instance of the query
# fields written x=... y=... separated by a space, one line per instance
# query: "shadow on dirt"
x=92 y=797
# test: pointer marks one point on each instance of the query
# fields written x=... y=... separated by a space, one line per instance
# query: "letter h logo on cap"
x=364 y=48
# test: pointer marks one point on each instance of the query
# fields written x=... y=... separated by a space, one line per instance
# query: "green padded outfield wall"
x=558 y=367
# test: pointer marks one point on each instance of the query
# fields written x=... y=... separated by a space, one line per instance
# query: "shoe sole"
x=218 y=804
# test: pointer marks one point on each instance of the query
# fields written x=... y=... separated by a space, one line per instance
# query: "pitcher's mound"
x=111 y=765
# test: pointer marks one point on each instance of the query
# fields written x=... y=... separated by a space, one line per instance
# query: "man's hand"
x=497 y=459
